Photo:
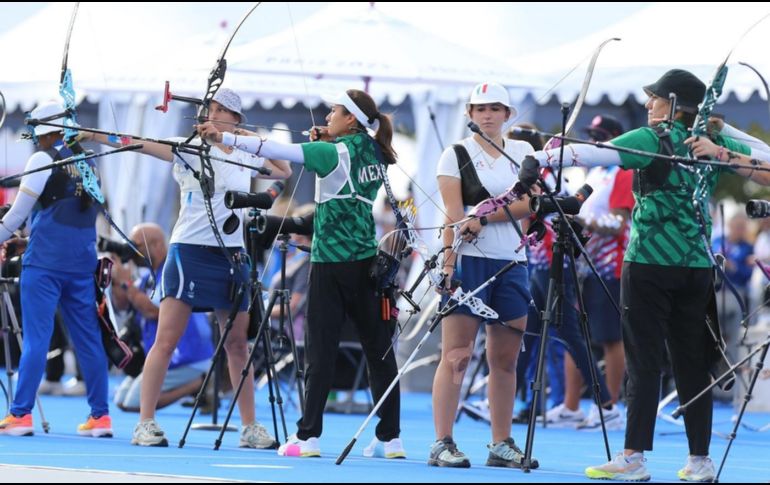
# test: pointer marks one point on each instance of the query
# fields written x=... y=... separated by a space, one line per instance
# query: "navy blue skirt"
x=201 y=277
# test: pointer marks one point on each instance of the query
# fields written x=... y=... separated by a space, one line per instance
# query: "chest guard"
x=655 y=176
x=472 y=190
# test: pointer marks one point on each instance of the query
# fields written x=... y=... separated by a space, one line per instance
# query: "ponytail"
x=384 y=134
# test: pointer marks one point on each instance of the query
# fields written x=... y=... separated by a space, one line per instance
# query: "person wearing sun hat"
x=348 y=156
x=230 y=100
x=198 y=274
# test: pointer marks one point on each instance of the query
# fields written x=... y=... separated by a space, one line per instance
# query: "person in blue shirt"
x=191 y=357
x=56 y=274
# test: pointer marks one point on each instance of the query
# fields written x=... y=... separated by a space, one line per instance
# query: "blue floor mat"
x=563 y=454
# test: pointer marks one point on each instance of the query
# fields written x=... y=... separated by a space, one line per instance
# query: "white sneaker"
x=624 y=468
x=148 y=433
x=74 y=388
x=563 y=417
x=302 y=448
x=613 y=419
x=50 y=388
x=255 y=435
x=697 y=469
x=385 y=449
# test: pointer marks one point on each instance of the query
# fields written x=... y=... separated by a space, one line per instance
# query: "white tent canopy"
x=370 y=50
x=114 y=63
x=363 y=47
x=342 y=46
x=696 y=37
x=124 y=49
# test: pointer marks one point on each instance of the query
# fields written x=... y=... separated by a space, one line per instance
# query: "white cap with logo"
x=45 y=110
x=489 y=93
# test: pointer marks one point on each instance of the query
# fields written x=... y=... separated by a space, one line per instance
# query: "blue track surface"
x=563 y=454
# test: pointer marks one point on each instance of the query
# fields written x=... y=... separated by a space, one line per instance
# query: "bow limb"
x=89 y=180
x=725 y=280
x=700 y=128
x=217 y=73
x=586 y=83
x=206 y=173
x=759 y=74
x=583 y=90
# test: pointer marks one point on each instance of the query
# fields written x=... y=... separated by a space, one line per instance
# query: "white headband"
x=345 y=100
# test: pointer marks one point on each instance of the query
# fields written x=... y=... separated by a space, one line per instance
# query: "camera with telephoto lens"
x=758 y=209
x=274 y=225
x=542 y=205
x=123 y=250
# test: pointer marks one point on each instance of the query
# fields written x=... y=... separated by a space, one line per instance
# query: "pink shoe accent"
x=292 y=450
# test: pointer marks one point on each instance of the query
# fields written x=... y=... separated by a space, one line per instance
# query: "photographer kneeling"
x=195 y=348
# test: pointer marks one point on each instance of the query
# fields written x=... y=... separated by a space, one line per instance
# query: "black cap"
x=603 y=128
x=689 y=89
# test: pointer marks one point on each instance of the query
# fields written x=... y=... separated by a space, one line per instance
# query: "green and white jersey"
x=664 y=227
x=348 y=176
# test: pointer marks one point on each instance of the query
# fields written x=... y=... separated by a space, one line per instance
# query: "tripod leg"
x=298 y=364
x=552 y=300
x=245 y=371
x=274 y=394
x=746 y=399
x=8 y=311
x=214 y=360
x=272 y=378
x=591 y=360
x=7 y=346
x=216 y=385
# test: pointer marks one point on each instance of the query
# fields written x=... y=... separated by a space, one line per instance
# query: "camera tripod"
x=286 y=319
x=7 y=312
x=552 y=314
x=257 y=313
x=215 y=426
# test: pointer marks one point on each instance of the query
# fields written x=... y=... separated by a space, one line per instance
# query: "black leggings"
x=339 y=291
x=665 y=306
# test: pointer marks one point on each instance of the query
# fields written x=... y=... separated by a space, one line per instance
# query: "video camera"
x=123 y=250
x=542 y=205
x=263 y=200
x=273 y=225
x=758 y=209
